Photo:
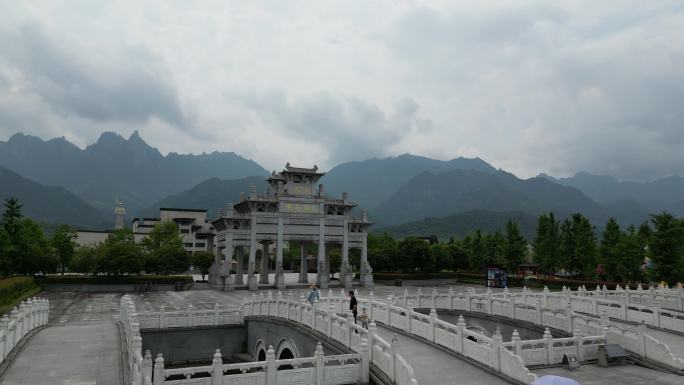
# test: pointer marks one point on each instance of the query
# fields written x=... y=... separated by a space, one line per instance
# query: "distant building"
x=119 y=215
x=196 y=231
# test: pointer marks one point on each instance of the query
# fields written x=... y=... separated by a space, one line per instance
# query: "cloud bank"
x=530 y=86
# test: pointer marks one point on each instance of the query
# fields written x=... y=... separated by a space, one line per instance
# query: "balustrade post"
x=469 y=297
x=548 y=342
x=217 y=368
x=22 y=319
x=404 y=300
x=460 y=327
x=524 y=294
x=545 y=296
x=158 y=378
x=29 y=315
x=568 y=318
x=515 y=339
x=641 y=338
x=577 y=334
x=433 y=318
x=656 y=316
x=320 y=364
x=365 y=360
x=434 y=298
x=539 y=313
x=409 y=320
x=271 y=370
x=371 y=299
x=604 y=322
x=394 y=351
x=419 y=295
x=217 y=315
x=347 y=337
x=496 y=357
x=4 y=330
x=513 y=302
x=451 y=298
x=372 y=332
x=147 y=366
x=14 y=323
x=191 y=318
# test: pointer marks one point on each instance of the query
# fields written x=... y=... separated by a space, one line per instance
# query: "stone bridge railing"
x=490 y=352
x=29 y=315
x=523 y=304
x=384 y=356
x=593 y=331
x=316 y=370
x=189 y=317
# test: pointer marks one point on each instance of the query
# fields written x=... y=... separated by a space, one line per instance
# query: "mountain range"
x=115 y=168
x=59 y=182
x=49 y=203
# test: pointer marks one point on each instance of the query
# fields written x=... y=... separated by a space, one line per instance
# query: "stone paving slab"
x=435 y=366
x=85 y=354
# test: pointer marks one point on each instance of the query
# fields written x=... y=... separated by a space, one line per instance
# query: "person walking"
x=353 y=304
x=312 y=296
x=364 y=318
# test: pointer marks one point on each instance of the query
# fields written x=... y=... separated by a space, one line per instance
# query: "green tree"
x=64 y=244
x=567 y=260
x=414 y=255
x=477 y=251
x=120 y=254
x=11 y=217
x=165 y=251
x=585 y=245
x=515 y=247
x=382 y=252
x=86 y=259
x=631 y=251
x=202 y=260
x=441 y=254
x=545 y=244
x=666 y=247
x=609 y=253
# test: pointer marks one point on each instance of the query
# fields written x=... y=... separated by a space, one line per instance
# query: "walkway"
x=434 y=366
x=614 y=375
x=80 y=346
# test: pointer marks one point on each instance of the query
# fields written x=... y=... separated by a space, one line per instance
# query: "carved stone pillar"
x=303 y=265
x=251 y=278
x=322 y=277
x=279 y=276
x=345 y=268
x=240 y=268
x=263 y=271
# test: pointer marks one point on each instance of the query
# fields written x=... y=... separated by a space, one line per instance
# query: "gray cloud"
x=347 y=127
x=131 y=89
x=530 y=86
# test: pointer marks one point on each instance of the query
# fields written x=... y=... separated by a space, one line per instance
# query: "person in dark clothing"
x=352 y=304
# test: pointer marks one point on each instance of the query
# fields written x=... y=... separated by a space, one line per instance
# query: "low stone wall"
x=119 y=288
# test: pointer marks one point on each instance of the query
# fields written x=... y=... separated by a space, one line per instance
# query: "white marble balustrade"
x=20 y=321
x=317 y=370
x=538 y=308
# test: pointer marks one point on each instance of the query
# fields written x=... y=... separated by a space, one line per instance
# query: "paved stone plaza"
x=81 y=344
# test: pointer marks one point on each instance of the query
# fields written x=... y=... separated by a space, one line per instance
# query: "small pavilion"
x=295 y=210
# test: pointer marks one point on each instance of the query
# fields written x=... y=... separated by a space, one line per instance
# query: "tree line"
x=571 y=247
x=26 y=250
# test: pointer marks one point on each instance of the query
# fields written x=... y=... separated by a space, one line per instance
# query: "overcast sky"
x=529 y=86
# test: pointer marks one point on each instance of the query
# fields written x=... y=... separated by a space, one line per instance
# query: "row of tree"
x=472 y=252
x=571 y=247
x=26 y=250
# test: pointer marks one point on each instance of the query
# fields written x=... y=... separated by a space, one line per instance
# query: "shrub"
x=113 y=279
x=14 y=290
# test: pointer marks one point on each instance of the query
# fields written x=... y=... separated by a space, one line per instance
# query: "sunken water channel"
x=487 y=325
